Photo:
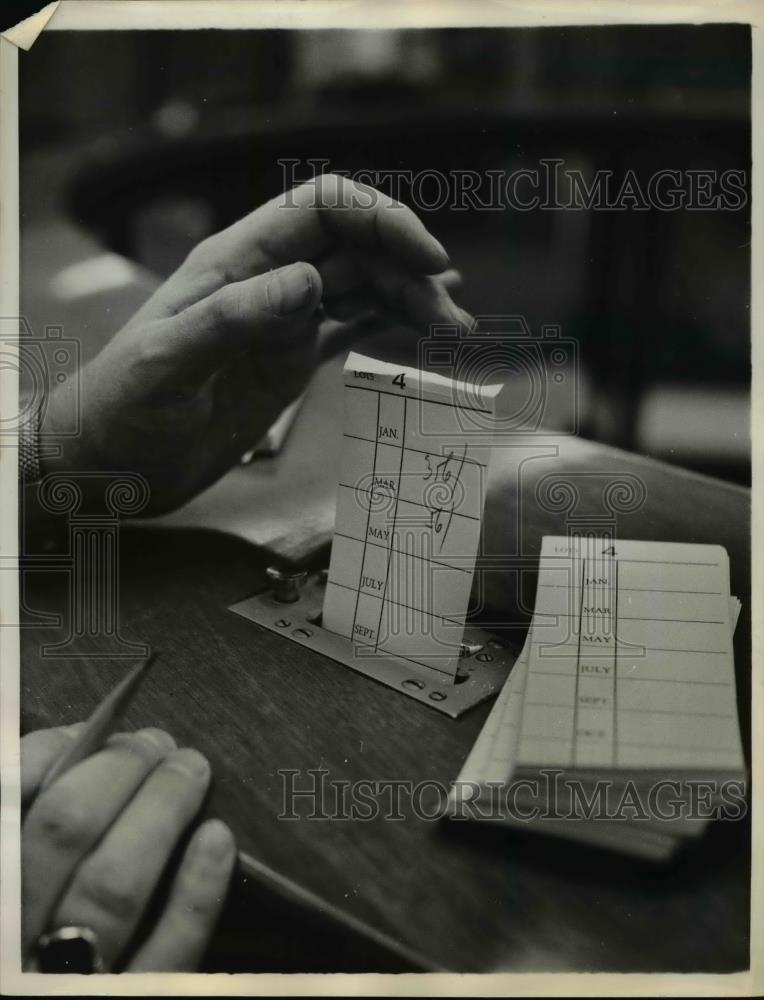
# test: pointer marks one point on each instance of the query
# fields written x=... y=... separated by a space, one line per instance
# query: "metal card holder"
x=292 y=608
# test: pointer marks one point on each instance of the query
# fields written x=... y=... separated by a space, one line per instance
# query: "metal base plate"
x=483 y=668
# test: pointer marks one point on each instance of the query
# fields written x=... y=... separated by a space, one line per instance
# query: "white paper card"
x=631 y=662
x=409 y=512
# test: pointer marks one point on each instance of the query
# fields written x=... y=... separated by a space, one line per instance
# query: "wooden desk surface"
x=467 y=897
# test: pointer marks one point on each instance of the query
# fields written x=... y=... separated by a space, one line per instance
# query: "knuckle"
x=219 y=275
x=108 y=885
x=151 y=349
x=190 y=929
x=328 y=188
x=61 y=819
x=321 y=182
x=206 y=264
x=200 y=255
x=203 y=907
x=189 y=762
x=230 y=304
x=200 y=902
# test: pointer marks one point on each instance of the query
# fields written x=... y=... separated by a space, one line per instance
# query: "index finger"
x=303 y=224
x=332 y=208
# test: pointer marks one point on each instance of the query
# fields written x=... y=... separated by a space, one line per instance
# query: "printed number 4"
x=400 y=380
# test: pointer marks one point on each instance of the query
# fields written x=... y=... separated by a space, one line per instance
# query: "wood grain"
x=466 y=897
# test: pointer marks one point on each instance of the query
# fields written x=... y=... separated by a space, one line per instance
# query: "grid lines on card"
x=409 y=499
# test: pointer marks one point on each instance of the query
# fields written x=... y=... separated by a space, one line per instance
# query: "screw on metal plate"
x=469 y=648
x=286 y=585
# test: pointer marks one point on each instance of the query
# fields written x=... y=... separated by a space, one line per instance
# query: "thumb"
x=241 y=316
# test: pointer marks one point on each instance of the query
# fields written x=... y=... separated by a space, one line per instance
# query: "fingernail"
x=158 y=737
x=289 y=289
x=461 y=315
x=188 y=762
x=443 y=252
x=215 y=839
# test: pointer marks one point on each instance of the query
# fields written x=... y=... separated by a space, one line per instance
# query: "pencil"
x=101 y=723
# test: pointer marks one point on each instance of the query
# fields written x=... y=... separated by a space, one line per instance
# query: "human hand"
x=205 y=367
x=95 y=843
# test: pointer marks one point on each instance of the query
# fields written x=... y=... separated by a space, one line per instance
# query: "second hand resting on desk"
x=493 y=900
x=78 y=947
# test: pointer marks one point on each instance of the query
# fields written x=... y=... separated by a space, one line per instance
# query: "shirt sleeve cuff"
x=29 y=444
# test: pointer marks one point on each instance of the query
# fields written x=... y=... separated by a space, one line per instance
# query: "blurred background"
x=136 y=145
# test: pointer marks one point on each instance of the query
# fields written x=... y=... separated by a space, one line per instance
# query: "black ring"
x=69 y=949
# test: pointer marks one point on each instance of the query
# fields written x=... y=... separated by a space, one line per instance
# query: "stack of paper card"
x=618 y=724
